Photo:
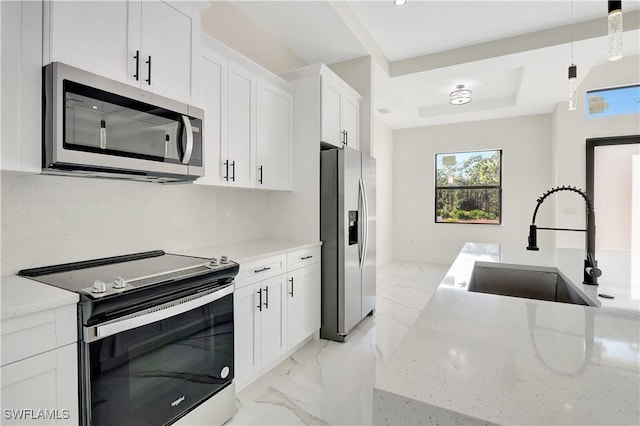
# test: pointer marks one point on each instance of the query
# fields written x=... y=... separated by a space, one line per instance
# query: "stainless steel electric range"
x=156 y=336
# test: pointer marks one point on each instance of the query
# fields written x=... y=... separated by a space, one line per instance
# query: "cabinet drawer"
x=261 y=269
x=301 y=258
x=32 y=334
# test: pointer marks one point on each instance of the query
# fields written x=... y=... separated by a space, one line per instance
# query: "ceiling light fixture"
x=615 y=30
x=399 y=2
x=573 y=73
x=461 y=96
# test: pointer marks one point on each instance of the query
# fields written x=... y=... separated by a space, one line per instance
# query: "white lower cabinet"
x=276 y=307
x=259 y=338
x=303 y=304
x=42 y=389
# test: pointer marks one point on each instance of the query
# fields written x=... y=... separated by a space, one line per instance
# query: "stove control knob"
x=213 y=262
x=119 y=282
x=224 y=259
x=99 y=287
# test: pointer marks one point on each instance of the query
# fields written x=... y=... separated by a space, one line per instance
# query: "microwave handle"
x=189 y=132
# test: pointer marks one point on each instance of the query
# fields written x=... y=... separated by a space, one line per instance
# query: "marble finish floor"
x=331 y=383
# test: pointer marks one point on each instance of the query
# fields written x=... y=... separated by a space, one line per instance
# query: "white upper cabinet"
x=340 y=112
x=248 y=122
x=339 y=105
x=350 y=119
x=241 y=130
x=166 y=43
x=149 y=44
x=331 y=123
x=274 y=136
x=21 y=86
x=213 y=98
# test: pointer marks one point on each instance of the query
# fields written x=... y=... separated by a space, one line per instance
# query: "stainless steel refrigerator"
x=348 y=234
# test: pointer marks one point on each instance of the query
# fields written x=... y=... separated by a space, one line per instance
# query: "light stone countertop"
x=474 y=358
x=250 y=250
x=21 y=296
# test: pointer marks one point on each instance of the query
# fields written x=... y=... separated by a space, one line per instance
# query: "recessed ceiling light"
x=399 y=2
x=461 y=96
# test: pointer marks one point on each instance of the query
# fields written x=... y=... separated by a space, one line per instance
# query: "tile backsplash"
x=55 y=219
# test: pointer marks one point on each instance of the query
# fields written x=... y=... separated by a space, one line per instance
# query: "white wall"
x=573 y=128
x=526 y=173
x=54 y=219
x=225 y=23
x=613 y=195
x=383 y=153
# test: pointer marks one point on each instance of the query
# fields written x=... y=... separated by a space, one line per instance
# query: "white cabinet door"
x=331 y=131
x=92 y=35
x=303 y=304
x=213 y=98
x=350 y=119
x=274 y=137
x=48 y=381
x=166 y=38
x=246 y=329
x=272 y=332
x=241 y=129
x=21 y=86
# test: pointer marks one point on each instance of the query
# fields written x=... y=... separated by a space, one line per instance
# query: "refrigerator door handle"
x=365 y=220
x=362 y=214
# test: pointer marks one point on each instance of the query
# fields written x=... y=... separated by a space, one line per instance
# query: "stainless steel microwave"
x=97 y=127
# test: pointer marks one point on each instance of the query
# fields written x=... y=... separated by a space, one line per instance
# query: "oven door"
x=153 y=367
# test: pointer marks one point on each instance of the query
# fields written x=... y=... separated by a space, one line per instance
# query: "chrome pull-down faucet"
x=591 y=271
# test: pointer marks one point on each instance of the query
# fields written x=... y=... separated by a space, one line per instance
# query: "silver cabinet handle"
x=260 y=178
x=306 y=257
x=154 y=314
x=260 y=301
x=233 y=171
x=189 y=131
x=291 y=281
x=257 y=271
x=266 y=293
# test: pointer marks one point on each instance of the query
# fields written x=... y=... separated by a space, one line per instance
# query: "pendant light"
x=573 y=73
x=573 y=96
x=461 y=96
x=615 y=30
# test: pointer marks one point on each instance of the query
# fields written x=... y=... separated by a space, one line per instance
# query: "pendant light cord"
x=572 y=31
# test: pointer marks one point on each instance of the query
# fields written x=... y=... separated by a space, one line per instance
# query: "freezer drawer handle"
x=306 y=257
x=266 y=268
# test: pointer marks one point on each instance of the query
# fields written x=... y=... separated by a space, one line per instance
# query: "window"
x=615 y=101
x=469 y=187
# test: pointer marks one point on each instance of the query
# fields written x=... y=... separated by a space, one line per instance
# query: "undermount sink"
x=527 y=283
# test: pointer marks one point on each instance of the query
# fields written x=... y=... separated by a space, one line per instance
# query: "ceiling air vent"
x=384 y=111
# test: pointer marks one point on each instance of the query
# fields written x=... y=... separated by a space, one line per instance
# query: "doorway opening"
x=613 y=183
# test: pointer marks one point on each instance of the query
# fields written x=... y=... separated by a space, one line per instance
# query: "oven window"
x=153 y=374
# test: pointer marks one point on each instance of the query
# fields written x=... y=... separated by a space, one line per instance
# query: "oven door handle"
x=154 y=314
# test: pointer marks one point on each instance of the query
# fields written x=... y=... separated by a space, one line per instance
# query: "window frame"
x=436 y=188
